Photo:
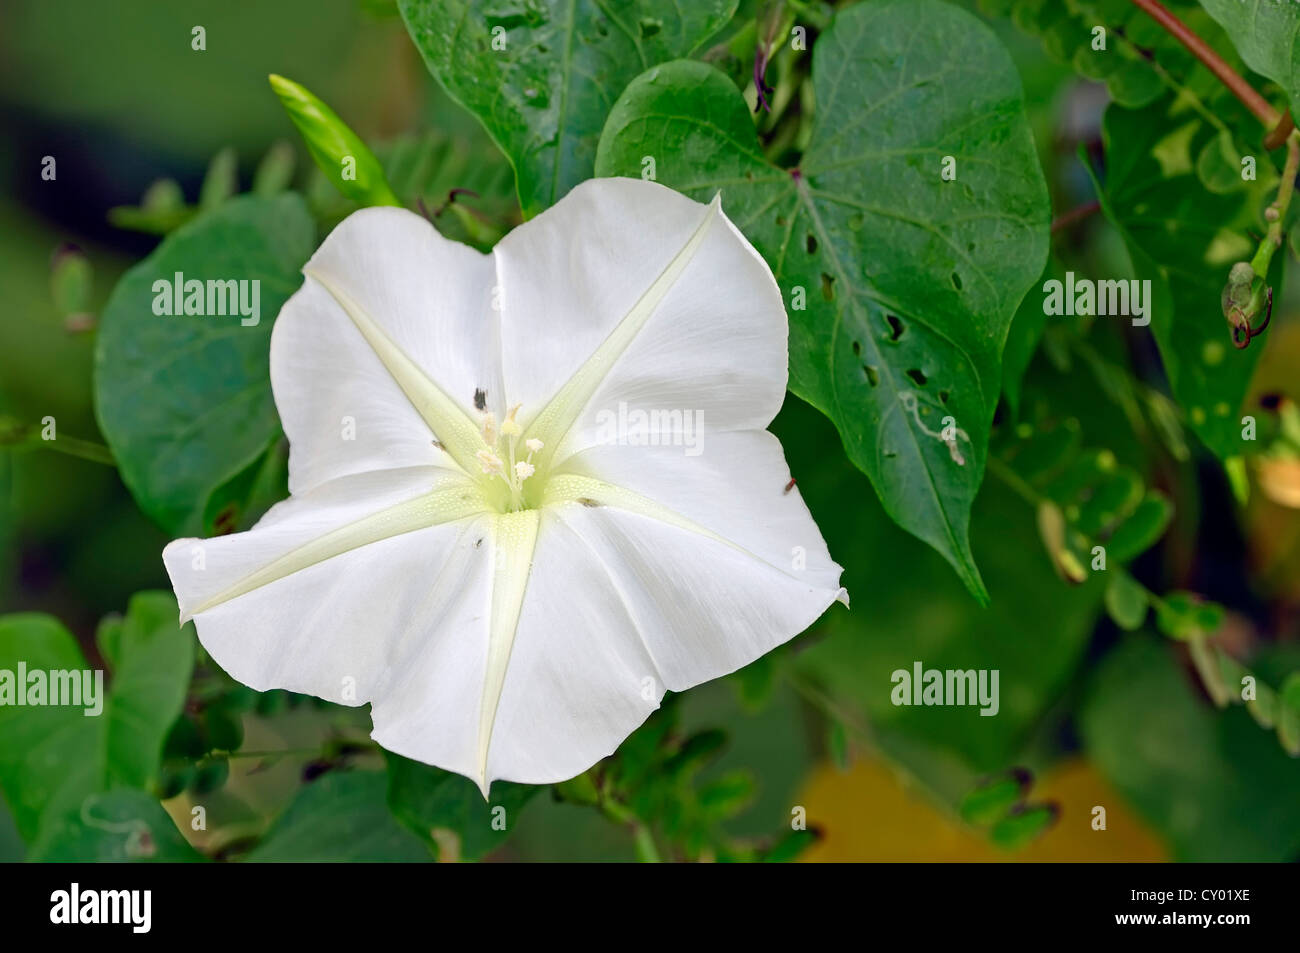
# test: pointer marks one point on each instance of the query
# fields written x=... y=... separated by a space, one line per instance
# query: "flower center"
x=507 y=464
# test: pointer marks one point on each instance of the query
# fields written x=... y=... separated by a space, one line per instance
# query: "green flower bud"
x=342 y=156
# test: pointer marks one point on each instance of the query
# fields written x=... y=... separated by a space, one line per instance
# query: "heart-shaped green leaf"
x=448 y=812
x=541 y=74
x=184 y=400
x=115 y=827
x=903 y=242
x=1267 y=35
x=342 y=817
x=53 y=757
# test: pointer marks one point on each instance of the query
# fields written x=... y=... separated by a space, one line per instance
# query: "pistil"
x=502 y=460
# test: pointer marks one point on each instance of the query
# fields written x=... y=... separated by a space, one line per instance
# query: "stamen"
x=491 y=463
x=501 y=461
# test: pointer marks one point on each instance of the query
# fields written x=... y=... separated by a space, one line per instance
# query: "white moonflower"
x=463 y=546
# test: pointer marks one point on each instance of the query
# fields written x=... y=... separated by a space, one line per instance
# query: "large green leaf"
x=1267 y=35
x=448 y=811
x=343 y=817
x=121 y=825
x=1211 y=782
x=185 y=400
x=544 y=97
x=52 y=758
x=1034 y=634
x=901 y=284
x=1184 y=239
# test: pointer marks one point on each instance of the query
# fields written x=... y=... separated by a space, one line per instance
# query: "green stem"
x=1277 y=211
x=1230 y=78
x=76 y=447
x=646 y=850
x=805 y=12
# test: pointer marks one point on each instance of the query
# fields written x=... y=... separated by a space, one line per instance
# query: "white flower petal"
x=626 y=291
x=385 y=295
x=580 y=678
x=684 y=573
x=400 y=621
x=737 y=488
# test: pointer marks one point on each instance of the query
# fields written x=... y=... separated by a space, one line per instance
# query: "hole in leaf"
x=780 y=221
x=828 y=287
x=857 y=348
x=943 y=397
x=891 y=453
x=895 y=327
x=649 y=27
x=956 y=281
x=810 y=243
x=749 y=175
x=917 y=377
x=873 y=378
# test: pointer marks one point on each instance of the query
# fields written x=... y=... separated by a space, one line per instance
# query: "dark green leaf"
x=184 y=401
x=1213 y=784
x=1034 y=633
x=343 y=817
x=543 y=90
x=901 y=285
x=52 y=758
x=435 y=804
x=1267 y=35
x=114 y=827
x=1184 y=239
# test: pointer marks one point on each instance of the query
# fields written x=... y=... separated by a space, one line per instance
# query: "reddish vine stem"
x=1252 y=100
x=1075 y=215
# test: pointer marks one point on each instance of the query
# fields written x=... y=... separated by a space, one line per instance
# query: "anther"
x=490 y=462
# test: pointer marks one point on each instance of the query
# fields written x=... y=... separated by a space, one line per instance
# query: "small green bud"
x=70 y=280
x=221 y=181
x=342 y=156
x=275 y=171
x=1237 y=292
